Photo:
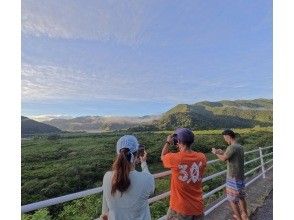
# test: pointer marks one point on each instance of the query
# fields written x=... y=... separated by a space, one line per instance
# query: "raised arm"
x=144 y=165
x=166 y=145
x=150 y=185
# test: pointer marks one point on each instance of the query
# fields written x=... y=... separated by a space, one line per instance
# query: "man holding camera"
x=187 y=167
x=235 y=184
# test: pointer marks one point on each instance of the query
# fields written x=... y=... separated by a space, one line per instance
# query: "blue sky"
x=142 y=57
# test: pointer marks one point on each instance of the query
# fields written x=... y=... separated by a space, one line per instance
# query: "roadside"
x=266 y=211
x=258 y=195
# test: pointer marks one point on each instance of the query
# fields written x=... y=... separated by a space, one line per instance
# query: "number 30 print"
x=192 y=174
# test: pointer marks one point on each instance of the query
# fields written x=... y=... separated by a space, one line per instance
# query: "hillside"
x=31 y=127
x=222 y=114
x=99 y=123
x=201 y=115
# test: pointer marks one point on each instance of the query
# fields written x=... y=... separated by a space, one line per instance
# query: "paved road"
x=266 y=211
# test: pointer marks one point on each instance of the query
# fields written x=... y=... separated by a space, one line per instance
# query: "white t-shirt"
x=133 y=203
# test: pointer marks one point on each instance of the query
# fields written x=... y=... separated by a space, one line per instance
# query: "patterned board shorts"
x=173 y=215
x=235 y=190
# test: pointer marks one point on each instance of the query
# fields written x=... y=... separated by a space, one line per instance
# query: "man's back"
x=235 y=162
x=186 y=181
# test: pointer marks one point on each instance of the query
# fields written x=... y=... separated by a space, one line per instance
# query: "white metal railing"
x=60 y=199
x=213 y=161
x=264 y=148
x=251 y=151
x=225 y=199
x=250 y=161
x=73 y=196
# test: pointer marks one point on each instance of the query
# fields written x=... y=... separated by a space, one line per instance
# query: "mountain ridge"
x=221 y=114
x=32 y=127
x=200 y=115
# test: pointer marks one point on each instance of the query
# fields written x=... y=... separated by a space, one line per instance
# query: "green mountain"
x=100 y=123
x=31 y=127
x=201 y=115
x=222 y=114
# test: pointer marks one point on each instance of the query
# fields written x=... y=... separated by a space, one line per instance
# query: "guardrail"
x=73 y=196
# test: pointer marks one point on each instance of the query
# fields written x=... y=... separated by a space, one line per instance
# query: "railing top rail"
x=264 y=148
x=251 y=151
x=268 y=154
x=212 y=161
x=77 y=195
x=271 y=160
x=250 y=161
x=60 y=199
x=162 y=174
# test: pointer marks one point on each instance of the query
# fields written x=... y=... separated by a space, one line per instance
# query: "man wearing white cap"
x=125 y=190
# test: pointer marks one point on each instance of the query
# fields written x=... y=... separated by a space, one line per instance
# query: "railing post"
x=262 y=162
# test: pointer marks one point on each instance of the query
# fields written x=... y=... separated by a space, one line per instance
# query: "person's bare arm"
x=165 y=148
x=220 y=151
x=222 y=157
x=144 y=165
x=220 y=154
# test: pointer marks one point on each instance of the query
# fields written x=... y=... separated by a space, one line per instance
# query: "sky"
x=135 y=58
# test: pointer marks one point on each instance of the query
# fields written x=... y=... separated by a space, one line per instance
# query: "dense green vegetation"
x=61 y=164
x=210 y=115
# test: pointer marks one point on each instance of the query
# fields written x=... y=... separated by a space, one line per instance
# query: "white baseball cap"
x=127 y=141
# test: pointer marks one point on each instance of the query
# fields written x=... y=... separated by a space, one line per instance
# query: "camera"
x=175 y=141
x=141 y=150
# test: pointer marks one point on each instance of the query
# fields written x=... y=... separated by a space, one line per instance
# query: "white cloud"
x=41 y=82
x=122 y=21
x=42 y=118
x=47 y=82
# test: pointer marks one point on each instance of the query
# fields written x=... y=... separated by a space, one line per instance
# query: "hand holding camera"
x=217 y=151
x=172 y=139
x=144 y=157
x=142 y=154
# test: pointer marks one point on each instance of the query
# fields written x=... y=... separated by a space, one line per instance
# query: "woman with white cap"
x=125 y=190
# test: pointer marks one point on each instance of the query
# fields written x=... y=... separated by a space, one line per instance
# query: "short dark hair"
x=229 y=133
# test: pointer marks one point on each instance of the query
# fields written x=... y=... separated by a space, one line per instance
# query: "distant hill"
x=31 y=127
x=222 y=114
x=201 y=115
x=100 y=123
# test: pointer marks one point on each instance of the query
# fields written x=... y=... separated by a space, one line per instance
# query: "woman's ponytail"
x=121 y=169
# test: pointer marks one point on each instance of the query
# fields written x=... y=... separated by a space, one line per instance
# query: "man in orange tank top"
x=187 y=166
